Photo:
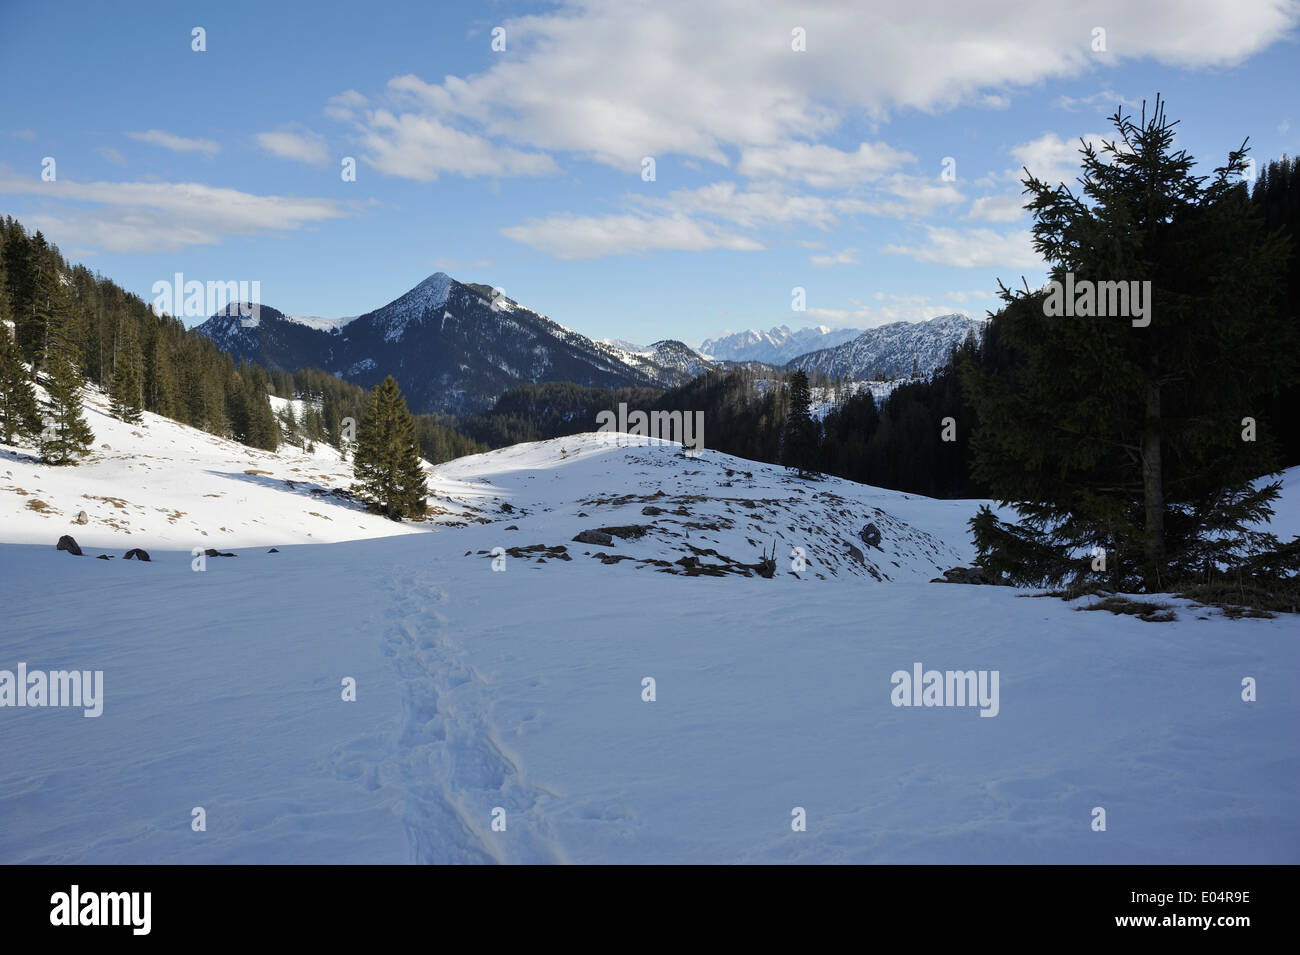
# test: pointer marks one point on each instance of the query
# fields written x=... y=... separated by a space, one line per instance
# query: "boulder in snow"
x=961 y=575
x=67 y=543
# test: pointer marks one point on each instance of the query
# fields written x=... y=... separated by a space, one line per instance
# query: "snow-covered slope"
x=890 y=351
x=163 y=484
x=514 y=688
x=318 y=323
x=776 y=346
x=669 y=362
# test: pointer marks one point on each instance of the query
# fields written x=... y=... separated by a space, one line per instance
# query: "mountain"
x=775 y=347
x=451 y=345
x=888 y=351
x=665 y=358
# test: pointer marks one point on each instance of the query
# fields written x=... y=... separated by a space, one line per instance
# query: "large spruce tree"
x=1105 y=432
x=19 y=415
x=127 y=396
x=799 y=443
x=65 y=436
x=386 y=464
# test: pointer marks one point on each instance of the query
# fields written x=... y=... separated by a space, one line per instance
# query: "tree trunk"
x=1153 y=536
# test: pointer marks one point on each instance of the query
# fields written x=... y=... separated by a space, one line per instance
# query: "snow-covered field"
x=521 y=689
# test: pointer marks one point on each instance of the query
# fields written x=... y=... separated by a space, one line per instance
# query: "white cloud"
x=303 y=146
x=843 y=257
x=422 y=148
x=916 y=196
x=1003 y=208
x=884 y=310
x=616 y=81
x=973 y=248
x=342 y=106
x=28 y=134
x=178 y=144
x=159 y=216
x=1107 y=99
x=821 y=166
x=752 y=208
x=1053 y=159
x=587 y=237
x=112 y=155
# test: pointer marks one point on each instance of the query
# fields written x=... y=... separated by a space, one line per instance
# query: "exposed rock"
x=650 y=510
x=103 y=557
x=870 y=535
x=857 y=555
x=961 y=575
x=138 y=553
x=67 y=543
x=81 y=518
x=626 y=532
x=600 y=538
x=213 y=552
x=274 y=550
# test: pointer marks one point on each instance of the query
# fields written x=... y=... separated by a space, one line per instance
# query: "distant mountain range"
x=891 y=351
x=777 y=346
x=454 y=347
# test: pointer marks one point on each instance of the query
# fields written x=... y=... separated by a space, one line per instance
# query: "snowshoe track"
x=449 y=760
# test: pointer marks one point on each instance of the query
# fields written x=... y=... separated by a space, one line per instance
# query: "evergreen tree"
x=799 y=445
x=159 y=378
x=386 y=464
x=19 y=415
x=65 y=435
x=126 y=396
x=1105 y=432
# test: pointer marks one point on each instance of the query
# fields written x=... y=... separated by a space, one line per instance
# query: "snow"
x=430 y=294
x=823 y=400
x=521 y=689
x=163 y=484
x=320 y=324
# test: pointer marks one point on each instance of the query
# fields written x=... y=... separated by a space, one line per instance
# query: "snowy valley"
x=499 y=667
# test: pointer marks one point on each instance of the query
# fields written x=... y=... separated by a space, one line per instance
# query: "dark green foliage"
x=387 y=460
x=19 y=416
x=145 y=361
x=1130 y=438
x=799 y=442
x=1277 y=196
x=65 y=436
x=1020 y=555
x=127 y=396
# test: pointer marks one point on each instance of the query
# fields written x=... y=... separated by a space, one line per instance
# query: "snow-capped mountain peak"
x=776 y=346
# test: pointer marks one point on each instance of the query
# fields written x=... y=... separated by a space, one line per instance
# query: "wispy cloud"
x=159 y=216
x=843 y=257
x=423 y=148
x=304 y=146
x=615 y=82
x=972 y=248
x=587 y=237
x=177 y=144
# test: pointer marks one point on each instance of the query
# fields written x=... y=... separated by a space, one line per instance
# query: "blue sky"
x=522 y=168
